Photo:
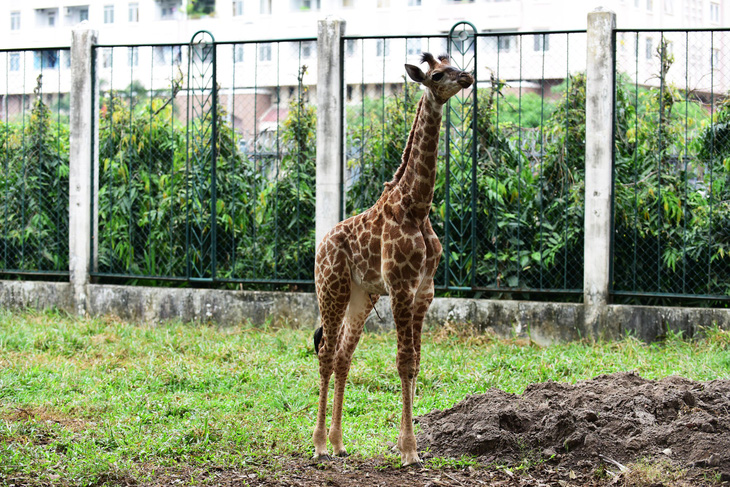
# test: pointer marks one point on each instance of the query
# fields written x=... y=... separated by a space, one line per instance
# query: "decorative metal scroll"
x=201 y=157
x=461 y=178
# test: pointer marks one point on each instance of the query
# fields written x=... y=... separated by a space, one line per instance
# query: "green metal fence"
x=509 y=195
x=207 y=160
x=672 y=166
x=34 y=141
x=206 y=166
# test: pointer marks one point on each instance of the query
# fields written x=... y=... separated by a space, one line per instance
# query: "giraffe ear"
x=415 y=73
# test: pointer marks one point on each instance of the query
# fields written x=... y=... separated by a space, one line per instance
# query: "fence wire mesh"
x=34 y=140
x=509 y=193
x=672 y=165
x=165 y=210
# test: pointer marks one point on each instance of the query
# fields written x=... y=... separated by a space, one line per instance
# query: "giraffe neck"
x=417 y=174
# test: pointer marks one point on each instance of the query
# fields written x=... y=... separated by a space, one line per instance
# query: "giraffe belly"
x=370 y=280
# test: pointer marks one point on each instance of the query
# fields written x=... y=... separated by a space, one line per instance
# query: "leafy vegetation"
x=34 y=185
x=672 y=207
x=95 y=401
x=158 y=198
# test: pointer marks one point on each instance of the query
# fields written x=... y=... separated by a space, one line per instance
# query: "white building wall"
x=294 y=19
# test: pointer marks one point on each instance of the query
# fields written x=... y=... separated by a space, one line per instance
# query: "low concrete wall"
x=36 y=295
x=544 y=323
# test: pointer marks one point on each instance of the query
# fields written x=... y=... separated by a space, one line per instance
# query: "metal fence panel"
x=672 y=165
x=34 y=141
x=207 y=161
x=509 y=203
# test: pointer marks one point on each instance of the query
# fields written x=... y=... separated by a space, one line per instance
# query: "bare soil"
x=617 y=429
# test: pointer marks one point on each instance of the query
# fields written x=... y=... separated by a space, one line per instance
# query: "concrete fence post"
x=599 y=166
x=329 y=125
x=80 y=163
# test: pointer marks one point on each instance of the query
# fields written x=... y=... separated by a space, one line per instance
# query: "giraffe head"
x=442 y=80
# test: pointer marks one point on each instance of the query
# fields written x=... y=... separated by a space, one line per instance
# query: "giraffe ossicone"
x=391 y=249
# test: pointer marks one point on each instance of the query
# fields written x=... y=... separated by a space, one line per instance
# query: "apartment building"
x=375 y=64
x=47 y=23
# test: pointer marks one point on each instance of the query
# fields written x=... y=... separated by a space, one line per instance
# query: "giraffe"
x=389 y=248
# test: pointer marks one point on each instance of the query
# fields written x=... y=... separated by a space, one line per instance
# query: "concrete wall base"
x=542 y=322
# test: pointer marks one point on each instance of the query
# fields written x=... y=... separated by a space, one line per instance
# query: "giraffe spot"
x=431 y=146
x=394 y=273
x=372 y=275
x=424 y=188
x=374 y=246
x=405 y=246
x=408 y=272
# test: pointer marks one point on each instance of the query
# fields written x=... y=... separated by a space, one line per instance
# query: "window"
x=83 y=14
x=168 y=9
x=132 y=56
x=14 y=20
x=237 y=8
x=14 y=61
x=715 y=12
x=649 y=48
x=351 y=44
x=134 y=12
x=52 y=18
x=669 y=7
x=413 y=47
x=382 y=48
x=383 y=3
x=265 y=8
x=505 y=43
x=309 y=5
x=541 y=42
x=45 y=60
x=308 y=49
x=108 y=14
x=167 y=55
x=238 y=53
x=348 y=3
x=414 y=3
x=265 y=52
x=106 y=57
x=650 y=5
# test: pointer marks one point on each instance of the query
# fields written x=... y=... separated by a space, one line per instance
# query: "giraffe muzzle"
x=465 y=80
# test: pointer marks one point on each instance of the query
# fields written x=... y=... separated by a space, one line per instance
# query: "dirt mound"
x=622 y=417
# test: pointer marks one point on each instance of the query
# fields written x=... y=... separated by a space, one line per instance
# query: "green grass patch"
x=94 y=401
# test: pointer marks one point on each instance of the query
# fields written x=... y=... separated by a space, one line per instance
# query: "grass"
x=94 y=401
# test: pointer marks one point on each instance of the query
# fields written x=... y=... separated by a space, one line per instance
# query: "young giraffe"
x=390 y=248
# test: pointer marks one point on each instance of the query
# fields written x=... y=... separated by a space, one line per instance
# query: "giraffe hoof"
x=324 y=457
x=342 y=454
x=418 y=465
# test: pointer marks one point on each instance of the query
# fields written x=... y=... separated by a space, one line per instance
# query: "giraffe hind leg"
x=358 y=310
x=333 y=295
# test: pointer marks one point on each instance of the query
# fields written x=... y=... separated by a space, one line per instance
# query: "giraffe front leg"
x=402 y=305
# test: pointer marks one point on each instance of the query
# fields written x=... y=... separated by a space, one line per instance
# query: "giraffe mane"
x=406 y=152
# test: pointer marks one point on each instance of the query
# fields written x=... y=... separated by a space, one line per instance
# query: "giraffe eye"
x=437 y=76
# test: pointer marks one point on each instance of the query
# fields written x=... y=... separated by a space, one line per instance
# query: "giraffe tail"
x=317 y=339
